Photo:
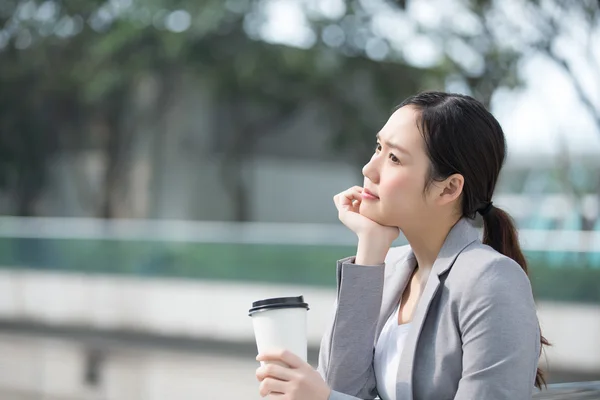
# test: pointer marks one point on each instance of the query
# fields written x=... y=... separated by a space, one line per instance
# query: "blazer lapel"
x=396 y=279
x=459 y=237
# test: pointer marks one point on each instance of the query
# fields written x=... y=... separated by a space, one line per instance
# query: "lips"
x=367 y=194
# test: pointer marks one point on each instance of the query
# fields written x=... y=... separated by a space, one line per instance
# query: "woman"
x=446 y=317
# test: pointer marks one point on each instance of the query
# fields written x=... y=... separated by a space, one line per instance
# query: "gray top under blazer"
x=474 y=333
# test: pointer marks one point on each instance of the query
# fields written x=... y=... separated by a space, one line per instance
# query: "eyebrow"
x=392 y=145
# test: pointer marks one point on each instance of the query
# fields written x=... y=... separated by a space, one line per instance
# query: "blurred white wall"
x=218 y=310
x=50 y=369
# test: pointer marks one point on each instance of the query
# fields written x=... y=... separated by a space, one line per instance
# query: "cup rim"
x=277 y=303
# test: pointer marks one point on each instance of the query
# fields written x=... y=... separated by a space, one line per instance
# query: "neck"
x=426 y=241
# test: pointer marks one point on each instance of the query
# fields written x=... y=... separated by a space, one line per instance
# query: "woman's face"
x=396 y=174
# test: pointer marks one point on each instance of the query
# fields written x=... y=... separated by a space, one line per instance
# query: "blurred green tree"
x=69 y=69
x=70 y=72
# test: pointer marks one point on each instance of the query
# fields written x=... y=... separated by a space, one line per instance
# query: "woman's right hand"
x=374 y=239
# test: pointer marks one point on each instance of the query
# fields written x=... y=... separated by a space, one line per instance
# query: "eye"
x=394 y=159
x=377 y=147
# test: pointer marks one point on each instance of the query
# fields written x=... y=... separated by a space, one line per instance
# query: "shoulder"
x=481 y=270
x=487 y=288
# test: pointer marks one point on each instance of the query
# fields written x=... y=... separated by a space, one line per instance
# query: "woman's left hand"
x=296 y=381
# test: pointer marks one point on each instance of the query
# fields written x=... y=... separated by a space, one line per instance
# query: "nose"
x=371 y=169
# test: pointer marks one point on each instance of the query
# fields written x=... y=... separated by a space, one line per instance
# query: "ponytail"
x=500 y=233
x=462 y=137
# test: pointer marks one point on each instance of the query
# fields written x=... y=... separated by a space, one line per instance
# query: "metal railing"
x=175 y=231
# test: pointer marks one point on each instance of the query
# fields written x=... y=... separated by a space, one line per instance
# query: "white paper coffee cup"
x=280 y=323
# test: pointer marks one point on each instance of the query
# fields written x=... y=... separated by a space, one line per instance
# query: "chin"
x=373 y=215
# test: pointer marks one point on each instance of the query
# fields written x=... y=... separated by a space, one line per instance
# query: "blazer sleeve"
x=347 y=347
x=500 y=335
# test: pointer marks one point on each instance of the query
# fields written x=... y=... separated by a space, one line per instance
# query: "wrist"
x=371 y=253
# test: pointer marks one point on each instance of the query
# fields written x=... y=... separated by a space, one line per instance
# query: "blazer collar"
x=459 y=237
x=462 y=234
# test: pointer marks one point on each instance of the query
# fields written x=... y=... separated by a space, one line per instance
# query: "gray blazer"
x=474 y=332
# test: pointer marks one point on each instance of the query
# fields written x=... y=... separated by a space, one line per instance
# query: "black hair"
x=462 y=137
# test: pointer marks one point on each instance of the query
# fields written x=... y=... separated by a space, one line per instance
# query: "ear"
x=450 y=189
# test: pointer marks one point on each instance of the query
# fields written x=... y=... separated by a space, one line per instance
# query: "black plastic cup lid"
x=278 y=302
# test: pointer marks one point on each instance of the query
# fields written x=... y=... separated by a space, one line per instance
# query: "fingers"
x=347 y=198
x=274 y=371
x=271 y=385
x=351 y=195
x=285 y=356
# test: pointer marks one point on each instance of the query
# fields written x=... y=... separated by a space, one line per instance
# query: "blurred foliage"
x=69 y=71
x=559 y=276
x=69 y=67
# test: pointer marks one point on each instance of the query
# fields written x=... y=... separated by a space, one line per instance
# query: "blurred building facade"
x=179 y=166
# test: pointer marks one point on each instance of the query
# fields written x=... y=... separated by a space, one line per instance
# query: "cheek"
x=400 y=186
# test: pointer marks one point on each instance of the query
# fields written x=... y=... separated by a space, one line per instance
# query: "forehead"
x=401 y=128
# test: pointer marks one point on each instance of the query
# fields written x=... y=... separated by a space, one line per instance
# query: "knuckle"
x=268 y=369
